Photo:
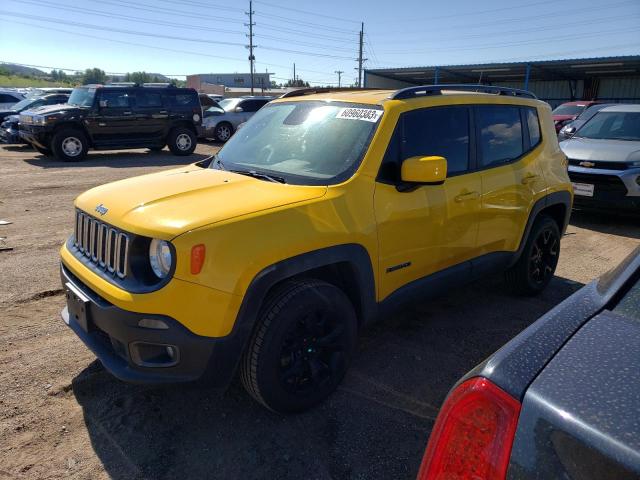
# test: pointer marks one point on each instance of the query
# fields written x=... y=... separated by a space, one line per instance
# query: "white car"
x=222 y=121
x=8 y=98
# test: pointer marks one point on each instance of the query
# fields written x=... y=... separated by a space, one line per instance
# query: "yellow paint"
x=247 y=224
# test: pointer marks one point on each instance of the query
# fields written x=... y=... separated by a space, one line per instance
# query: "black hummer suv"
x=115 y=117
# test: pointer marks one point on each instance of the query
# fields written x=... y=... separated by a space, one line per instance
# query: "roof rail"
x=158 y=84
x=311 y=90
x=121 y=84
x=425 y=90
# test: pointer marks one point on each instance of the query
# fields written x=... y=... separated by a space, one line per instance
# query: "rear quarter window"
x=185 y=99
x=500 y=134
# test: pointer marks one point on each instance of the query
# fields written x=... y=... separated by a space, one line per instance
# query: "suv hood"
x=167 y=204
x=601 y=149
x=46 y=109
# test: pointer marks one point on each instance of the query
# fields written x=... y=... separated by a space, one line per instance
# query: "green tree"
x=297 y=83
x=138 y=77
x=93 y=75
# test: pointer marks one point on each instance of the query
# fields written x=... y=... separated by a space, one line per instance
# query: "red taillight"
x=473 y=434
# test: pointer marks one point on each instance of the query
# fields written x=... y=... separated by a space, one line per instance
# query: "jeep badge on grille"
x=101 y=209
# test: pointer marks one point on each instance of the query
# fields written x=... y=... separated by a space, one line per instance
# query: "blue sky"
x=179 y=37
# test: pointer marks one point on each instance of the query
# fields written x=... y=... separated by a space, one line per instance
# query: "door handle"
x=463 y=197
x=528 y=178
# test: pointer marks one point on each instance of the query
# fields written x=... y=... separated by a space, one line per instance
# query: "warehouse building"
x=610 y=79
x=229 y=80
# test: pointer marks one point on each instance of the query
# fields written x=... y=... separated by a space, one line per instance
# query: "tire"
x=44 y=151
x=537 y=264
x=302 y=346
x=223 y=132
x=182 y=141
x=70 y=145
x=156 y=149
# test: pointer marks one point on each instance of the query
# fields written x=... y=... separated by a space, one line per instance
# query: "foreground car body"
x=560 y=400
x=604 y=160
x=323 y=211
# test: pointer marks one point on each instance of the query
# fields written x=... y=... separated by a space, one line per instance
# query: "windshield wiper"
x=260 y=175
x=217 y=162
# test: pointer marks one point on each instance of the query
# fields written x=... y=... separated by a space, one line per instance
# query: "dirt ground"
x=62 y=415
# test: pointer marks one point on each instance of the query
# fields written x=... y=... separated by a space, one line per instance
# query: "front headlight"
x=160 y=257
x=38 y=120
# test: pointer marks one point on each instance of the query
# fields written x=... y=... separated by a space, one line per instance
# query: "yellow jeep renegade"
x=322 y=213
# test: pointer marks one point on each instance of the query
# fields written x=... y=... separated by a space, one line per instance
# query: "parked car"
x=327 y=209
x=561 y=400
x=220 y=122
x=570 y=128
x=31 y=103
x=37 y=92
x=568 y=112
x=604 y=160
x=9 y=98
x=115 y=117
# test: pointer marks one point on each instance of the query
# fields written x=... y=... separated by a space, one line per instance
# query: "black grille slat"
x=102 y=244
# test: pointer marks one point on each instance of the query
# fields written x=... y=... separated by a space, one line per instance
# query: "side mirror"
x=104 y=103
x=425 y=170
x=239 y=110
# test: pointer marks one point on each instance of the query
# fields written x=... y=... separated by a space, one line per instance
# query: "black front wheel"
x=302 y=346
x=537 y=264
x=182 y=141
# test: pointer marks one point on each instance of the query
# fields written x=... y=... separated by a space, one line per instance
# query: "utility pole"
x=339 y=72
x=294 y=74
x=360 y=59
x=251 y=46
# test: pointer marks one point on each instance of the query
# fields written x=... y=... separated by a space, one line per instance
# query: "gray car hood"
x=602 y=150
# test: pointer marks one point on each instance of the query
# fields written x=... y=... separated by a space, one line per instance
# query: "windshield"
x=568 y=110
x=612 y=126
x=307 y=143
x=229 y=103
x=82 y=97
x=22 y=104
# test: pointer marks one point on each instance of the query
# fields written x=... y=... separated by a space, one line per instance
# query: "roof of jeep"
x=378 y=97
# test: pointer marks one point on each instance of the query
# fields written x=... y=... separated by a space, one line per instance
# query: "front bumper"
x=35 y=135
x=115 y=337
x=613 y=189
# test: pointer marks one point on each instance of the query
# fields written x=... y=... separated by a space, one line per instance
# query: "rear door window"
x=146 y=99
x=500 y=134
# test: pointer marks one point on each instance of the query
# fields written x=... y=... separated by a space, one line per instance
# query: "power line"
x=123 y=42
x=169 y=37
x=307 y=12
x=526 y=18
x=152 y=8
x=533 y=29
x=125 y=17
x=302 y=22
x=518 y=43
x=207 y=5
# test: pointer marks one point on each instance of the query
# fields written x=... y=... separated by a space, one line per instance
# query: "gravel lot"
x=62 y=415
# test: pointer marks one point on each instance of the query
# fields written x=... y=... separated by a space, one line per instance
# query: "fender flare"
x=227 y=354
x=555 y=198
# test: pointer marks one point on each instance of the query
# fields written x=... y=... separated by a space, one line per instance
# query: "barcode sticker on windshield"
x=366 y=114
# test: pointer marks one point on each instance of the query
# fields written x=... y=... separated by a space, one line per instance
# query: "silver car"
x=604 y=160
x=221 y=121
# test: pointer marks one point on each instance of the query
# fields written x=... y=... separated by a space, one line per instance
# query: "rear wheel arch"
x=557 y=205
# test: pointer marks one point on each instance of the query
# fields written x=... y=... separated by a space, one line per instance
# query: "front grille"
x=599 y=164
x=104 y=245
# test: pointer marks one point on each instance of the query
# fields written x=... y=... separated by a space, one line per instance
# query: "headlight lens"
x=160 y=257
x=38 y=120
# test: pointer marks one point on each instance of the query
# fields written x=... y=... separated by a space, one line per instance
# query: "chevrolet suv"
x=106 y=117
x=324 y=212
